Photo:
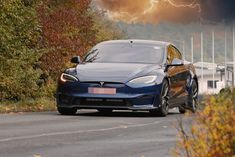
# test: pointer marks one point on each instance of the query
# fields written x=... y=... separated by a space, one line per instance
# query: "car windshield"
x=125 y=53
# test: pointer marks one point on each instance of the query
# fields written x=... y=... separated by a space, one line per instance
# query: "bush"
x=213 y=131
x=19 y=49
x=38 y=38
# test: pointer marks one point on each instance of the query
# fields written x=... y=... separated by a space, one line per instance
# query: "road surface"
x=89 y=134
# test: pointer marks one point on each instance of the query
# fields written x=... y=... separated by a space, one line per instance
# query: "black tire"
x=67 y=111
x=164 y=106
x=193 y=98
x=182 y=110
x=105 y=111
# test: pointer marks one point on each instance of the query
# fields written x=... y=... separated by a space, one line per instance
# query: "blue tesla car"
x=129 y=75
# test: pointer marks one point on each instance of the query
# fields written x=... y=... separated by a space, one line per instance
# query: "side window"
x=170 y=54
x=177 y=53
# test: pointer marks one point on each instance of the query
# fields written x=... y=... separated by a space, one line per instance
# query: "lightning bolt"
x=152 y=4
x=126 y=16
x=192 y=5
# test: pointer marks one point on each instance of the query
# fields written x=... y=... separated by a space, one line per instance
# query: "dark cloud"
x=218 y=10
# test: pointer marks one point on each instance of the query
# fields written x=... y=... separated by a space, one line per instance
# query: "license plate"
x=111 y=91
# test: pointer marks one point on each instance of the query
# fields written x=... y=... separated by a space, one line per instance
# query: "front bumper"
x=75 y=95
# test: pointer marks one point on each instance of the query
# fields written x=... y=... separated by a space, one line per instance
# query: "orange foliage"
x=213 y=133
x=67 y=30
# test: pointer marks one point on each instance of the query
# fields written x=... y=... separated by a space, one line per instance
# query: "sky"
x=175 y=11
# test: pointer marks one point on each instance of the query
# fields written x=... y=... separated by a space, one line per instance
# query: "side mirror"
x=76 y=60
x=177 y=62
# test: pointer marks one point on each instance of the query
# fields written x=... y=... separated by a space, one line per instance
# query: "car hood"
x=112 y=72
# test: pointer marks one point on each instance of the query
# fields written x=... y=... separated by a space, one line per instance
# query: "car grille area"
x=103 y=102
x=80 y=102
x=73 y=101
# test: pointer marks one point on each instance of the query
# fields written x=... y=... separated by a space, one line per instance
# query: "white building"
x=206 y=83
x=229 y=78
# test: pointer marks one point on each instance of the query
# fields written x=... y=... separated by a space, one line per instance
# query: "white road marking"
x=76 y=132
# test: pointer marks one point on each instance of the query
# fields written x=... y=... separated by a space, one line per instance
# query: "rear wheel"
x=192 y=104
x=67 y=111
x=193 y=99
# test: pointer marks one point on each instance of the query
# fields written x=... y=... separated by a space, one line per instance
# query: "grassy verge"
x=38 y=105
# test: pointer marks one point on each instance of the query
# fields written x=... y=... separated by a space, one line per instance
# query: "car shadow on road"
x=122 y=114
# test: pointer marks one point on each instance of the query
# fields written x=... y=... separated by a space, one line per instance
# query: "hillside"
x=179 y=33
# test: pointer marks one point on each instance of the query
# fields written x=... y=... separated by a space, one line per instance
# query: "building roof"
x=205 y=65
x=206 y=72
x=208 y=68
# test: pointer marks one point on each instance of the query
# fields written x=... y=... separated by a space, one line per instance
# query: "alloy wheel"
x=194 y=103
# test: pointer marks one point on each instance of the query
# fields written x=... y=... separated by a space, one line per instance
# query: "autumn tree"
x=19 y=49
x=71 y=27
x=38 y=38
x=67 y=31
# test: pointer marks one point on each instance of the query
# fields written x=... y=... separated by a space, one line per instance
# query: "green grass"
x=38 y=105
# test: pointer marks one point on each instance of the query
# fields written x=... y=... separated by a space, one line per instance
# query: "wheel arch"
x=167 y=79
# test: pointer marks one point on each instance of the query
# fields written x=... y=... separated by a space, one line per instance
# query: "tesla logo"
x=101 y=84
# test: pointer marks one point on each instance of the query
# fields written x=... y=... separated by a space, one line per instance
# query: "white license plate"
x=111 y=91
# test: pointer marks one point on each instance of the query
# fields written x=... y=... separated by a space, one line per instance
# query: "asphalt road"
x=89 y=134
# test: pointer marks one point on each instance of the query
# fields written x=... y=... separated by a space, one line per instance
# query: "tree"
x=38 y=38
x=66 y=30
x=70 y=28
x=19 y=49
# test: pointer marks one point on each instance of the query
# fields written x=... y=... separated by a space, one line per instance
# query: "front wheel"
x=67 y=111
x=164 y=106
x=182 y=110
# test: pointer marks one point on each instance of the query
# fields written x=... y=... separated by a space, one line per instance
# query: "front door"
x=178 y=78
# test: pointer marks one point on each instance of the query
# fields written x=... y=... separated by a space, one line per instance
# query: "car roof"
x=137 y=41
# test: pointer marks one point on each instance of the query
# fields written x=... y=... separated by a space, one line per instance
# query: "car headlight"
x=68 y=78
x=144 y=80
